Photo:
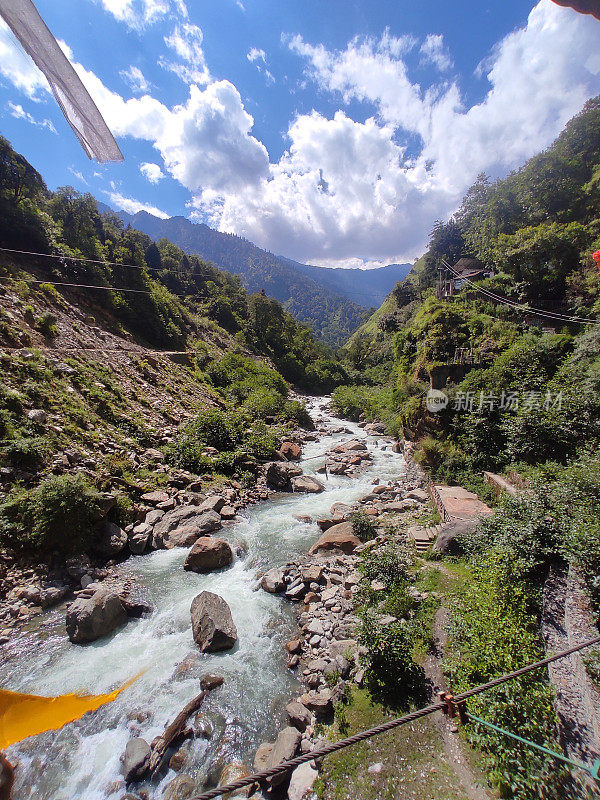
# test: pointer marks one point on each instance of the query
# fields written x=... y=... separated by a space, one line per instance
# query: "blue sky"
x=333 y=133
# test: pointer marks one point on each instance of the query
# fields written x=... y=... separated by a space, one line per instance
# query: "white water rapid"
x=81 y=762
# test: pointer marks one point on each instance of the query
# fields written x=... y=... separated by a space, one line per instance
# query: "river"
x=81 y=762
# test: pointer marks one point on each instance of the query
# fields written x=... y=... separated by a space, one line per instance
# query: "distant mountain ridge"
x=335 y=302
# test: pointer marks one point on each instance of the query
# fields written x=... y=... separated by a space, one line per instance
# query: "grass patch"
x=414 y=764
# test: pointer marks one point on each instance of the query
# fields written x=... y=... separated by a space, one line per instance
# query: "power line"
x=82 y=285
x=556 y=316
x=96 y=286
x=320 y=752
x=62 y=257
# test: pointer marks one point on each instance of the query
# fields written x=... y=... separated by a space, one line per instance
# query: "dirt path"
x=453 y=746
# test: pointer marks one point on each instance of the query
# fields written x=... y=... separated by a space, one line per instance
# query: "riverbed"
x=81 y=762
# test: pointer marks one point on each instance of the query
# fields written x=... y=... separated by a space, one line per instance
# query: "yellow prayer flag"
x=23 y=715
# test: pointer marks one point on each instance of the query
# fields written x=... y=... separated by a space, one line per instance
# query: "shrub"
x=59 y=514
x=363 y=526
x=28 y=454
x=394 y=677
x=11 y=400
x=295 y=411
x=263 y=403
x=495 y=632
x=388 y=565
x=46 y=325
x=260 y=441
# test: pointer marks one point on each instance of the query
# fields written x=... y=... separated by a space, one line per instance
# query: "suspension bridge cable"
x=556 y=316
x=320 y=752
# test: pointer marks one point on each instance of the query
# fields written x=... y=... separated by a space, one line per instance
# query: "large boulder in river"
x=338 y=537
x=182 y=526
x=181 y=787
x=307 y=484
x=212 y=623
x=290 y=451
x=208 y=554
x=90 y=618
x=279 y=474
x=111 y=539
x=302 y=782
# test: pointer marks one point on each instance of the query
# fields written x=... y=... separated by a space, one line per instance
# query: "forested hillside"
x=331 y=315
x=522 y=389
x=107 y=340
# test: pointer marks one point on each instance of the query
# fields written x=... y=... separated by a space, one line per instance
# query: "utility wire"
x=95 y=286
x=320 y=752
x=61 y=257
x=519 y=306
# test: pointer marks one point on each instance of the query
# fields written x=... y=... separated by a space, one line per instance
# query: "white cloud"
x=254 y=54
x=135 y=79
x=138 y=14
x=347 y=190
x=205 y=143
x=381 y=199
x=433 y=51
x=132 y=206
x=151 y=172
x=259 y=59
x=186 y=41
x=77 y=174
x=18 y=67
x=19 y=112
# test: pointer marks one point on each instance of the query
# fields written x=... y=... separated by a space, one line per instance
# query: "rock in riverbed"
x=302 y=781
x=212 y=623
x=272 y=581
x=338 y=537
x=182 y=526
x=135 y=759
x=90 y=618
x=307 y=484
x=279 y=474
x=208 y=554
x=285 y=748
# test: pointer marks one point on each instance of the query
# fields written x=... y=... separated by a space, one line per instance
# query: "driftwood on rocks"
x=176 y=729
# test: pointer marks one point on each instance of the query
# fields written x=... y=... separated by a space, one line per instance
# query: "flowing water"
x=81 y=762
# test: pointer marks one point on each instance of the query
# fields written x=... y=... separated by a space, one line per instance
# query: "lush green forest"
x=235 y=353
x=164 y=288
x=526 y=404
x=300 y=288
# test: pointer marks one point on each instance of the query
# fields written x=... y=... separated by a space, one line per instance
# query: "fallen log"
x=177 y=728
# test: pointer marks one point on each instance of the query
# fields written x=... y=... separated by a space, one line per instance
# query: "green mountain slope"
x=332 y=302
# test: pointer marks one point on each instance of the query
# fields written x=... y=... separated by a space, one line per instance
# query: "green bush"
x=394 y=678
x=11 y=400
x=58 y=515
x=6 y=425
x=363 y=526
x=494 y=631
x=295 y=411
x=390 y=565
x=26 y=454
x=263 y=403
x=46 y=325
x=260 y=441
